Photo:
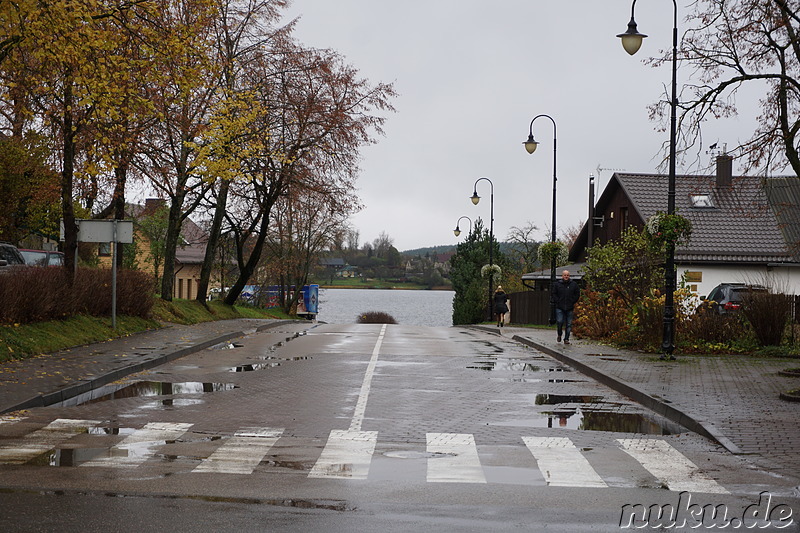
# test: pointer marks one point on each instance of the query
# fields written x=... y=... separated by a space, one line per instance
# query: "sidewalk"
x=732 y=399
x=52 y=378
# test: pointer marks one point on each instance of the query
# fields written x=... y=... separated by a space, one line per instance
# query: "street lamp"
x=457 y=231
x=632 y=41
x=475 y=199
x=530 y=146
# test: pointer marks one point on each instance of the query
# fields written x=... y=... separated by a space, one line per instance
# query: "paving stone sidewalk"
x=734 y=399
x=51 y=378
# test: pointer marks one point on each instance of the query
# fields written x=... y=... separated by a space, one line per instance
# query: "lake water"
x=410 y=308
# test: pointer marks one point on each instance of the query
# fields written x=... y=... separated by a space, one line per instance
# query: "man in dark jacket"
x=565 y=295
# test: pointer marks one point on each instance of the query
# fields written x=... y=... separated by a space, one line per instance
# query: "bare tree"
x=730 y=44
x=318 y=114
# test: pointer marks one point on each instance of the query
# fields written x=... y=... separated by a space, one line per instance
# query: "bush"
x=768 y=314
x=599 y=315
x=708 y=326
x=39 y=294
x=376 y=317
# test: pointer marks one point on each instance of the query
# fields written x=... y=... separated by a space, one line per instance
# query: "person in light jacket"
x=565 y=294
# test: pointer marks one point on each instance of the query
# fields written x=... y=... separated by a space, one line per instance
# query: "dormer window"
x=700 y=200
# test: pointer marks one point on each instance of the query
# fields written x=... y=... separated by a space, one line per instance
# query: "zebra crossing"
x=348 y=454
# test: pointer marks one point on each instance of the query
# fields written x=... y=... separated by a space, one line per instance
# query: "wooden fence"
x=530 y=307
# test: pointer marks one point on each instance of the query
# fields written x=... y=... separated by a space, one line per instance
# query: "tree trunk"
x=121 y=175
x=68 y=162
x=171 y=246
x=246 y=270
x=213 y=240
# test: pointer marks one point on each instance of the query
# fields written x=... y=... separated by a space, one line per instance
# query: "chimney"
x=151 y=204
x=724 y=170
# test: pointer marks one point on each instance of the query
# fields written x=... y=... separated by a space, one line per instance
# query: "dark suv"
x=727 y=297
x=10 y=257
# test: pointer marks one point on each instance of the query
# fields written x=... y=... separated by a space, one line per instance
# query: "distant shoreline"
x=375 y=287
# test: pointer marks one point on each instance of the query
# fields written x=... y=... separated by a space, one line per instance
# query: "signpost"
x=111 y=231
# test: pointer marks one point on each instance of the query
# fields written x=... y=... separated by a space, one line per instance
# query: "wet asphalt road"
x=315 y=427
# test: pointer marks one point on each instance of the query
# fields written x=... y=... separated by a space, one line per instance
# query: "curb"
x=85 y=385
x=642 y=398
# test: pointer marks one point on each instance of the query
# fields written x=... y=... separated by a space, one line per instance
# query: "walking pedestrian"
x=564 y=294
x=500 y=305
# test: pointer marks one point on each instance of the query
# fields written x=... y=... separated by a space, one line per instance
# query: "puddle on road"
x=594 y=420
x=226 y=346
x=275 y=361
x=554 y=399
x=142 y=389
x=252 y=367
x=508 y=366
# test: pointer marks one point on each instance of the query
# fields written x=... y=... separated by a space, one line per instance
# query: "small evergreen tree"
x=471 y=289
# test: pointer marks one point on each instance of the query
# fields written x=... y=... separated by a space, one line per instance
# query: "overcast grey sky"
x=470 y=76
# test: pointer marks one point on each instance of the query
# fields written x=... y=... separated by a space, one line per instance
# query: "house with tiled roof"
x=189 y=255
x=745 y=228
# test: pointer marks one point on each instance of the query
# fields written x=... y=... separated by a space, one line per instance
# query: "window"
x=701 y=200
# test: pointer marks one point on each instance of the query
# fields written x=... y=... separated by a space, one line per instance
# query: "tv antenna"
x=599 y=170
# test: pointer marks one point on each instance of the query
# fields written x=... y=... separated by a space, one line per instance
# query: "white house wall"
x=781 y=279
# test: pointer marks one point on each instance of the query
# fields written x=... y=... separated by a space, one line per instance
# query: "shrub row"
x=38 y=294
x=605 y=316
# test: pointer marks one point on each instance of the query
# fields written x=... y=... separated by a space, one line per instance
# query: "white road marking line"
x=361 y=405
x=670 y=466
x=242 y=453
x=561 y=463
x=458 y=462
x=347 y=455
x=140 y=445
x=44 y=439
x=10 y=419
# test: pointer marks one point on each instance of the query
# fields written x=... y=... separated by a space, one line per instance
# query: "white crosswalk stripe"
x=670 y=466
x=44 y=439
x=140 y=445
x=241 y=453
x=456 y=459
x=347 y=455
x=561 y=463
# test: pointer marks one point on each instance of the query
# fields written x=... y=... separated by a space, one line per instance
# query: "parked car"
x=42 y=257
x=10 y=257
x=727 y=297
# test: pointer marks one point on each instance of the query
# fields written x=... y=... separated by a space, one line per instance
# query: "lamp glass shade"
x=530 y=145
x=456 y=232
x=632 y=42
x=475 y=198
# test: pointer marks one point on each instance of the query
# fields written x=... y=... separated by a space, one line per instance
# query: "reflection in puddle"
x=508 y=366
x=596 y=420
x=170 y=402
x=250 y=368
x=144 y=388
x=226 y=346
x=553 y=399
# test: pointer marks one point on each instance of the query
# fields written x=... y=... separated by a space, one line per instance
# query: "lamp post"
x=632 y=41
x=457 y=231
x=530 y=146
x=475 y=199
